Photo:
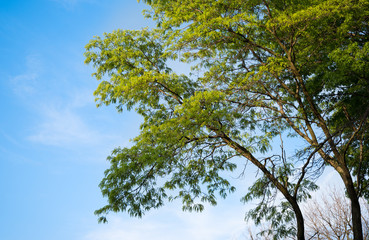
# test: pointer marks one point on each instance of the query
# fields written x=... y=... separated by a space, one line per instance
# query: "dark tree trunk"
x=355 y=206
x=299 y=220
x=292 y=200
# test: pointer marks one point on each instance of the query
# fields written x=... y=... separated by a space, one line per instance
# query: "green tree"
x=261 y=69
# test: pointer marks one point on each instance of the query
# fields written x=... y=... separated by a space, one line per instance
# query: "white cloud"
x=118 y=229
x=63 y=127
x=170 y=223
x=225 y=222
x=60 y=122
x=69 y=122
x=25 y=84
x=70 y=4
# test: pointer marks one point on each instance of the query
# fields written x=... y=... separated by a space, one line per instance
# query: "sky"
x=54 y=141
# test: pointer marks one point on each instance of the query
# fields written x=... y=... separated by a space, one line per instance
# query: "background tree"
x=262 y=69
x=329 y=216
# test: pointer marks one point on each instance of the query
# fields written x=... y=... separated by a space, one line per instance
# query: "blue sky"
x=54 y=141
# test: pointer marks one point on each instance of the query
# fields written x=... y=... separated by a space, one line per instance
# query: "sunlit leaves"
x=260 y=70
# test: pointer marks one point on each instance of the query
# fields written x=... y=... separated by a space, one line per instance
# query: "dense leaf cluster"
x=260 y=69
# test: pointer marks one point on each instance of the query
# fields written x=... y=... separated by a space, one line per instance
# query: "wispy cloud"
x=171 y=223
x=225 y=222
x=70 y=4
x=69 y=122
x=61 y=127
x=25 y=83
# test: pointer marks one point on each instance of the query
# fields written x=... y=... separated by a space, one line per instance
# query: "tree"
x=261 y=69
x=329 y=217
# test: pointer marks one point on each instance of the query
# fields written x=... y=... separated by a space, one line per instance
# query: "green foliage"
x=174 y=148
x=272 y=208
x=260 y=69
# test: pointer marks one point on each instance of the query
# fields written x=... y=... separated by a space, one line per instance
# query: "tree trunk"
x=244 y=152
x=355 y=205
x=299 y=220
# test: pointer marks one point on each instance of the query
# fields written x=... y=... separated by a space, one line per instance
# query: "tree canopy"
x=260 y=70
